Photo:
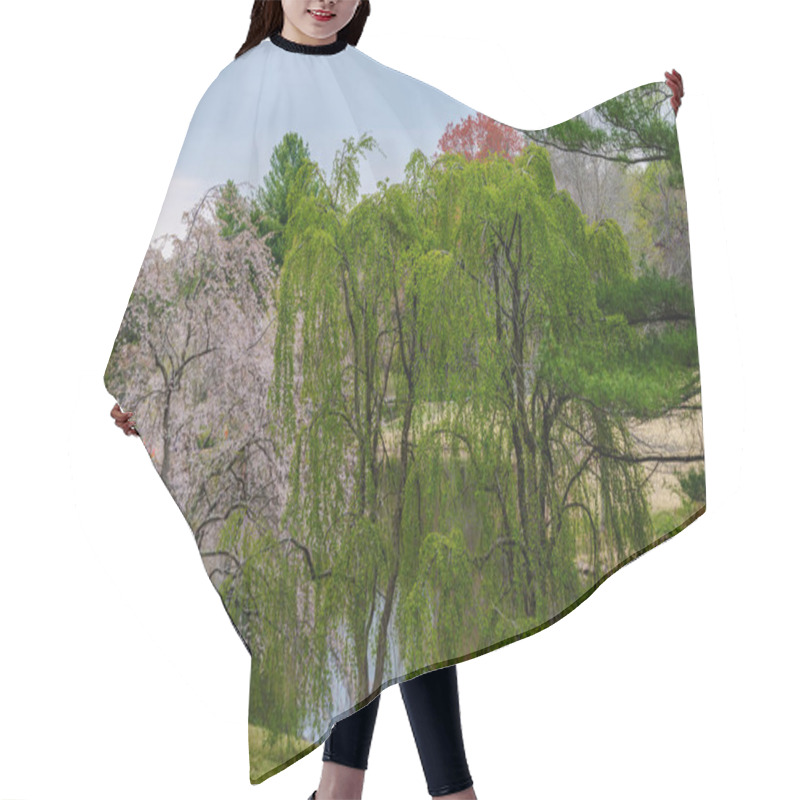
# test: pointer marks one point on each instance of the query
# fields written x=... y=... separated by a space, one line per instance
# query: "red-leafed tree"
x=477 y=136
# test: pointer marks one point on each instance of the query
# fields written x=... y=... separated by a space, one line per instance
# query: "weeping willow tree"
x=457 y=361
x=541 y=425
x=455 y=403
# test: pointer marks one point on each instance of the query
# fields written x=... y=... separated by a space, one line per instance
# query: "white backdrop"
x=120 y=674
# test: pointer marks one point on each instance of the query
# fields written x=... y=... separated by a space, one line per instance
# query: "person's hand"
x=675 y=82
x=123 y=420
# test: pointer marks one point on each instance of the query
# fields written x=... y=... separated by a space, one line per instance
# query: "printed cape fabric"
x=419 y=381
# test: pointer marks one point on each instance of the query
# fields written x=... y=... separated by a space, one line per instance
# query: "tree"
x=420 y=431
x=475 y=137
x=194 y=332
x=635 y=127
x=271 y=203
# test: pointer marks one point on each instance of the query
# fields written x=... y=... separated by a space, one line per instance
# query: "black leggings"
x=432 y=706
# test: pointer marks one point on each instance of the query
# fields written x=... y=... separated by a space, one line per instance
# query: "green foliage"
x=625 y=372
x=608 y=252
x=458 y=359
x=650 y=298
x=693 y=485
x=638 y=125
x=271 y=207
x=433 y=612
x=467 y=314
x=229 y=211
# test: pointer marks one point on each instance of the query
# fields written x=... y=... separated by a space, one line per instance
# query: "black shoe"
x=313 y=795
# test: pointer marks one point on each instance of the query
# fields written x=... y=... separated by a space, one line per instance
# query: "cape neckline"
x=308 y=49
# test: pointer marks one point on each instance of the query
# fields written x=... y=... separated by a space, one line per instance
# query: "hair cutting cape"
x=419 y=381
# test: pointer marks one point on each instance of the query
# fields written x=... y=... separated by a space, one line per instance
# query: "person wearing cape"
x=419 y=381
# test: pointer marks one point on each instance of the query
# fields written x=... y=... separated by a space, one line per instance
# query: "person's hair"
x=266 y=18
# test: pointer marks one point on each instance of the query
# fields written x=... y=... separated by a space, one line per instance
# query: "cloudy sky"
x=269 y=91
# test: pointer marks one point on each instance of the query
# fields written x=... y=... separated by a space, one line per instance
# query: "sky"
x=265 y=93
